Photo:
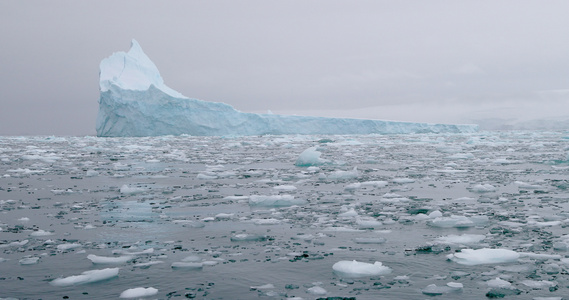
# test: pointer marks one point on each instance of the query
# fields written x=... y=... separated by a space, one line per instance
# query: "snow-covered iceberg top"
x=132 y=70
x=135 y=101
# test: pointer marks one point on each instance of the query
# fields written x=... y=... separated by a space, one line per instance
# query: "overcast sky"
x=428 y=61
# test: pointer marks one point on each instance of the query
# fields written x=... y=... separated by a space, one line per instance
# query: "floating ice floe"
x=127 y=190
x=538 y=284
x=87 y=277
x=95 y=259
x=139 y=292
x=355 y=269
x=247 y=237
x=275 y=200
x=434 y=290
x=29 y=260
x=41 y=232
x=310 y=157
x=483 y=188
x=68 y=246
x=458 y=221
x=472 y=257
x=465 y=239
x=317 y=290
x=498 y=283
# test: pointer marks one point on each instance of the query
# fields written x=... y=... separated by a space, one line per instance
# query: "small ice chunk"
x=452 y=221
x=498 y=283
x=92 y=173
x=310 y=157
x=317 y=290
x=538 y=284
x=285 y=187
x=247 y=237
x=41 y=232
x=68 y=246
x=267 y=286
x=29 y=261
x=341 y=175
x=434 y=290
x=355 y=269
x=139 y=292
x=465 y=239
x=95 y=259
x=86 y=277
x=125 y=189
x=368 y=222
x=350 y=213
x=472 y=257
x=483 y=188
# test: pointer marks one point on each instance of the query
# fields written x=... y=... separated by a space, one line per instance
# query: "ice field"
x=421 y=216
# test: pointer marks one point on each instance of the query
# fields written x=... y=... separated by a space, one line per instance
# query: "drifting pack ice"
x=135 y=102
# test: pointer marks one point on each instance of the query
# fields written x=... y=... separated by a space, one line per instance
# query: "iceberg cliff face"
x=135 y=101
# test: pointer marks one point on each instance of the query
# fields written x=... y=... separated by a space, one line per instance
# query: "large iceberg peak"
x=135 y=101
x=132 y=70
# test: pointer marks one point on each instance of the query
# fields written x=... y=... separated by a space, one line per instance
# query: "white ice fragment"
x=138 y=292
x=285 y=187
x=341 y=175
x=368 y=222
x=86 y=277
x=465 y=239
x=435 y=214
x=538 y=284
x=498 y=283
x=68 y=246
x=224 y=216
x=267 y=286
x=310 y=157
x=29 y=260
x=95 y=259
x=355 y=269
x=125 y=189
x=403 y=180
x=434 y=290
x=472 y=257
x=483 y=188
x=348 y=214
x=452 y=221
x=40 y=232
x=269 y=221
x=91 y=173
x=24 y=219
x=317 y=290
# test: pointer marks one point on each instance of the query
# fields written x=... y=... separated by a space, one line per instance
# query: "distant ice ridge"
x=135 y=101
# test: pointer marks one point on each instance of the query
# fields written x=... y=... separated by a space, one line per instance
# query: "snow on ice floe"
x=86 y=277
x=134 y=101
x=355 y=269
x=138 y=292
x=472 y=257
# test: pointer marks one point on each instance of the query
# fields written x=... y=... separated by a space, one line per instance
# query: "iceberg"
x=135 y=102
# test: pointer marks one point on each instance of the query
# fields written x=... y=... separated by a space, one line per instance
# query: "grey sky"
x=433 y=61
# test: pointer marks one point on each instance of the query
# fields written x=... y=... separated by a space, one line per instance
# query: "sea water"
x=239 y=218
